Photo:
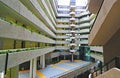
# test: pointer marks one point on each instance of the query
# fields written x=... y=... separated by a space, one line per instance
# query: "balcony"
x=72 y=38
x=63 y=31
x=62 y=20
x=97 y=55
x=84 y=13
x=62 y=47
x=20 y=13
x=72 y=20
x=84 y=31
x=61 y=42
x=72 y=14
x=72 y=51
x=13 y=31
x=84 y=42
x=63 y=36
x=72 y=31
x=72 y=7
x=72 y=25
x=73 y=44
x=62 y=26
x=84 y=25
x=84 y=36
x=97 y=48
x=84 y=19
x=15 y=55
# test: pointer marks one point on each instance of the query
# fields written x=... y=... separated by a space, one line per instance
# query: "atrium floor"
x=56 y=70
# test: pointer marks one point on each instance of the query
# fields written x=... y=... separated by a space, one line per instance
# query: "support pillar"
x=78 y=56
x=2 y=75
x=14 y=44
x=33 y=67
x=12 y=72
x=72 y=57
x=42 y=61
x=23 y=44
x=64 y=57
x=1 y=44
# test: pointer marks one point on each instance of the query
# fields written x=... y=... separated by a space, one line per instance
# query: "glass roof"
x=64 y=5
x=67 y=2
x=81 y=2
x=64 y=2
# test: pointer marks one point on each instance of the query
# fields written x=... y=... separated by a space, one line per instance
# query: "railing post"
x=101 y=68
x=92 y=75
x=107 y=67
x=6 y=63
x=117 y=62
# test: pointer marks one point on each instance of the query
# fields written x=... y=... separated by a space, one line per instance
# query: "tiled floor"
x=55 y=70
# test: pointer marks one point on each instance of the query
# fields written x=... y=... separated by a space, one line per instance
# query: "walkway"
x=56 y=70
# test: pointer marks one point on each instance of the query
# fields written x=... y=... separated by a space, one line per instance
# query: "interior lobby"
x=59 y=39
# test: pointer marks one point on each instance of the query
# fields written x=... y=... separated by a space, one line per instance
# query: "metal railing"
x=115 y=62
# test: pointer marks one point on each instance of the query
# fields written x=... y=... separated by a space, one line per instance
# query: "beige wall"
x=112 y=47
x=94 y=6
x=106 y=30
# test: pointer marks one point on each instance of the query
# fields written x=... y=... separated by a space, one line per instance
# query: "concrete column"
x=58 y=58
x=42 y=61
x=2 y=75
x=33 y=67
x=77 y=56
x=72 y=58
x=1 y=44
x=64 y=57
x=12 y=72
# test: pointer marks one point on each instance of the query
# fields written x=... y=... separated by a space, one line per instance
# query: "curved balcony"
x=72 y=14
x=72 y=7
x=72 y=20
x=72 y=51
x=72 y=38
x=72 y=31
x=72 y=25
x=73 y=44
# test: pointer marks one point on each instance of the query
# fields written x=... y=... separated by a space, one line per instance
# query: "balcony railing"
x=115 y=62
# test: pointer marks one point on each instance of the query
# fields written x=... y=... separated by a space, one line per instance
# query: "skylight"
x=81 y=2
x=64 y=2
x=78 y=2
x=64 y=5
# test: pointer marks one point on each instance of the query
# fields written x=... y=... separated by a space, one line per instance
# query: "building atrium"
x=59 y=39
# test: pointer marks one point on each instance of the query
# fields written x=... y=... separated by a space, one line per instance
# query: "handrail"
x=20 y=49
x=102 y=68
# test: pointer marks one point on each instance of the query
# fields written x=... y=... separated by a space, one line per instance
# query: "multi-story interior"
x=59 y=38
